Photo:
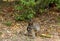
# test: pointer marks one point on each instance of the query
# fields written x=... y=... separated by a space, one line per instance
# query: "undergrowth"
x=28 y=8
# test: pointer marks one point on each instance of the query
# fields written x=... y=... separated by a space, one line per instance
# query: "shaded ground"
x=50 y=24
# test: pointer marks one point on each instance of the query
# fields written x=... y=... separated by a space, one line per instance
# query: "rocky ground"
x=49 y=24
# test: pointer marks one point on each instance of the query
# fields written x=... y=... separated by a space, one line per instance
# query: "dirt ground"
x=49 y=24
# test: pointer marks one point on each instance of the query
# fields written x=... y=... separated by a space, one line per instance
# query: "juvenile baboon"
x=32 y=29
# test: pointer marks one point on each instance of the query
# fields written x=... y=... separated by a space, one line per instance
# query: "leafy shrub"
x=27 y=14
x=28 y=2
x=26 y=8
x=58 y=4
x=30 y=7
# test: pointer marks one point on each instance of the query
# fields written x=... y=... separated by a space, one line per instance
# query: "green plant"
x=28 y=2
x=26 y=15
x=1 y=33
x=8 y=23
x=26 y=7
x=58 y=4
x=31 y=7
x=19 y=17
x=19 y=7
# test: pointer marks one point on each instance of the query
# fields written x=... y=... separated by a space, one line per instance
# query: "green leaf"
x=30 y=16
x=18 y=7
